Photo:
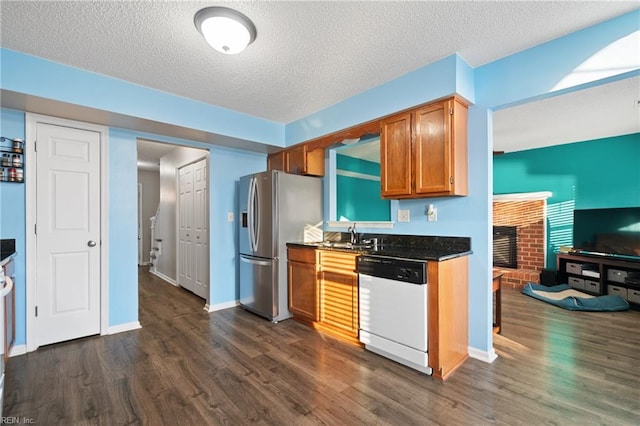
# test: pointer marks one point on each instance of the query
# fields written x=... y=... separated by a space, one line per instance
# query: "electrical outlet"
x=403 y=215
x=230 y=216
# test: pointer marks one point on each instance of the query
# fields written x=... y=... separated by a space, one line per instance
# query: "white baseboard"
x=164 y=277
x=221 y=306
x=18 y=350
x=485 y=356
x=120 y=328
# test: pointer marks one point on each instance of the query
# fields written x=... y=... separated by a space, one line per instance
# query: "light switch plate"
x=433 y=215
x=403 y=215
x=230 y=216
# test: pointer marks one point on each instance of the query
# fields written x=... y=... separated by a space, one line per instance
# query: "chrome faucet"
x=373 y=242
x=354 y=234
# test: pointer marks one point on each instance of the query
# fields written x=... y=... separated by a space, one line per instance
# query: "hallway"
x=161 y=301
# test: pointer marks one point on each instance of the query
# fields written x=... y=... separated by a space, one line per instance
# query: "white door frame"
x=32 y=121
x=140 y=229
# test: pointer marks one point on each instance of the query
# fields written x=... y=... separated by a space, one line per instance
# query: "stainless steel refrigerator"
x=275 y=208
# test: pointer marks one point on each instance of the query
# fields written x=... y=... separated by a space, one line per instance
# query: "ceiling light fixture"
x=226 y=30
x=350 y=141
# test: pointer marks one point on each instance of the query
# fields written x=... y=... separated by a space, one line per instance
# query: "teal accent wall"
x=358 y=198
x=601 y=173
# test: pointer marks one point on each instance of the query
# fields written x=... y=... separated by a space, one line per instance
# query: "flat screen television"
x=614 y=231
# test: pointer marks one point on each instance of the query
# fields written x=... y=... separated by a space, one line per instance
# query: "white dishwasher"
x=393 y=309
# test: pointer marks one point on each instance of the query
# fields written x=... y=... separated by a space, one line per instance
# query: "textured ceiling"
x=307 y=55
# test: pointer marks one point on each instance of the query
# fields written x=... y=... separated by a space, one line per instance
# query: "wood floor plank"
x=187 y=366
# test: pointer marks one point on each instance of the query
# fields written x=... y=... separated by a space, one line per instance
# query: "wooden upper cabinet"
x=433 y=149
x=295 y=160
x=303 y=161
x=395 y=156
x=436 y=138
x=299 y=160
x=277 y=161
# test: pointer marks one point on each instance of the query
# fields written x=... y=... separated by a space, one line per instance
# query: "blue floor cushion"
x=568 y=298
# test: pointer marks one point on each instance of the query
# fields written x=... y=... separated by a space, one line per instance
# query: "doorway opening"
x=159 y=166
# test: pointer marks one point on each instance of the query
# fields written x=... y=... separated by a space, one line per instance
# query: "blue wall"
x=123 y=227
x=516 y=79
x=585 y=175
x=39 y=77
x=227 y=166
x=12 y=219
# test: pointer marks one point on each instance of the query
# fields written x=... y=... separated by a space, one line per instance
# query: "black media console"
x=599 y=274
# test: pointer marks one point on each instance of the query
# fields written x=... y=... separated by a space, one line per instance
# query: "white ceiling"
x=150 y=152
x=611 y=109
x=308 y=55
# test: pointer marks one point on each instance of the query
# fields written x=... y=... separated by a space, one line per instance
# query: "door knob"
x=91 y=243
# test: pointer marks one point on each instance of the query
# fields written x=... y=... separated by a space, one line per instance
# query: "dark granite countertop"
x=398 y=246
x=7 y=248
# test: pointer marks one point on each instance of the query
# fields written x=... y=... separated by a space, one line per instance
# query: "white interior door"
x=67 y=233
x=201 y=229
x=193 y=229
x=185 y=227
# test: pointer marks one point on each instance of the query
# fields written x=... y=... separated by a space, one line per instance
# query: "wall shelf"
x=11 y=160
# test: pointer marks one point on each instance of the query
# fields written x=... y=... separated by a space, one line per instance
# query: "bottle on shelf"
x=17 y=145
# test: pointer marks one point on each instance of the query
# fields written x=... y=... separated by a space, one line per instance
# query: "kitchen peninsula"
x=324 y=294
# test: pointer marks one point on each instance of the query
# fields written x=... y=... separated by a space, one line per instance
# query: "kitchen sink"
x=345 y=245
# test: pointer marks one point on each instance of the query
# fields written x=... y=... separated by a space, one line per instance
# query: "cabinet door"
x=276 y=161
x=395 y=156
x=314 y=162
x=302 y=290
x=433 y=149
x=339 y=295
x=295 y=159
x=299 y=160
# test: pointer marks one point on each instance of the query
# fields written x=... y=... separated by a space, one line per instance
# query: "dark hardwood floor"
x=189 y=367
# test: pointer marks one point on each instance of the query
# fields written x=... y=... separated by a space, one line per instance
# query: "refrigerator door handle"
x=255 y=261
x=257 y=215
x=250 y=212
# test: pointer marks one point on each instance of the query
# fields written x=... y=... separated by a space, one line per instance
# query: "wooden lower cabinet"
x=448 y=315
x=338 y=292
x=323 y=290
x=303 y=291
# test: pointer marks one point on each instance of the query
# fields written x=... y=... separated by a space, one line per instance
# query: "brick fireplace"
x=525 y=212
